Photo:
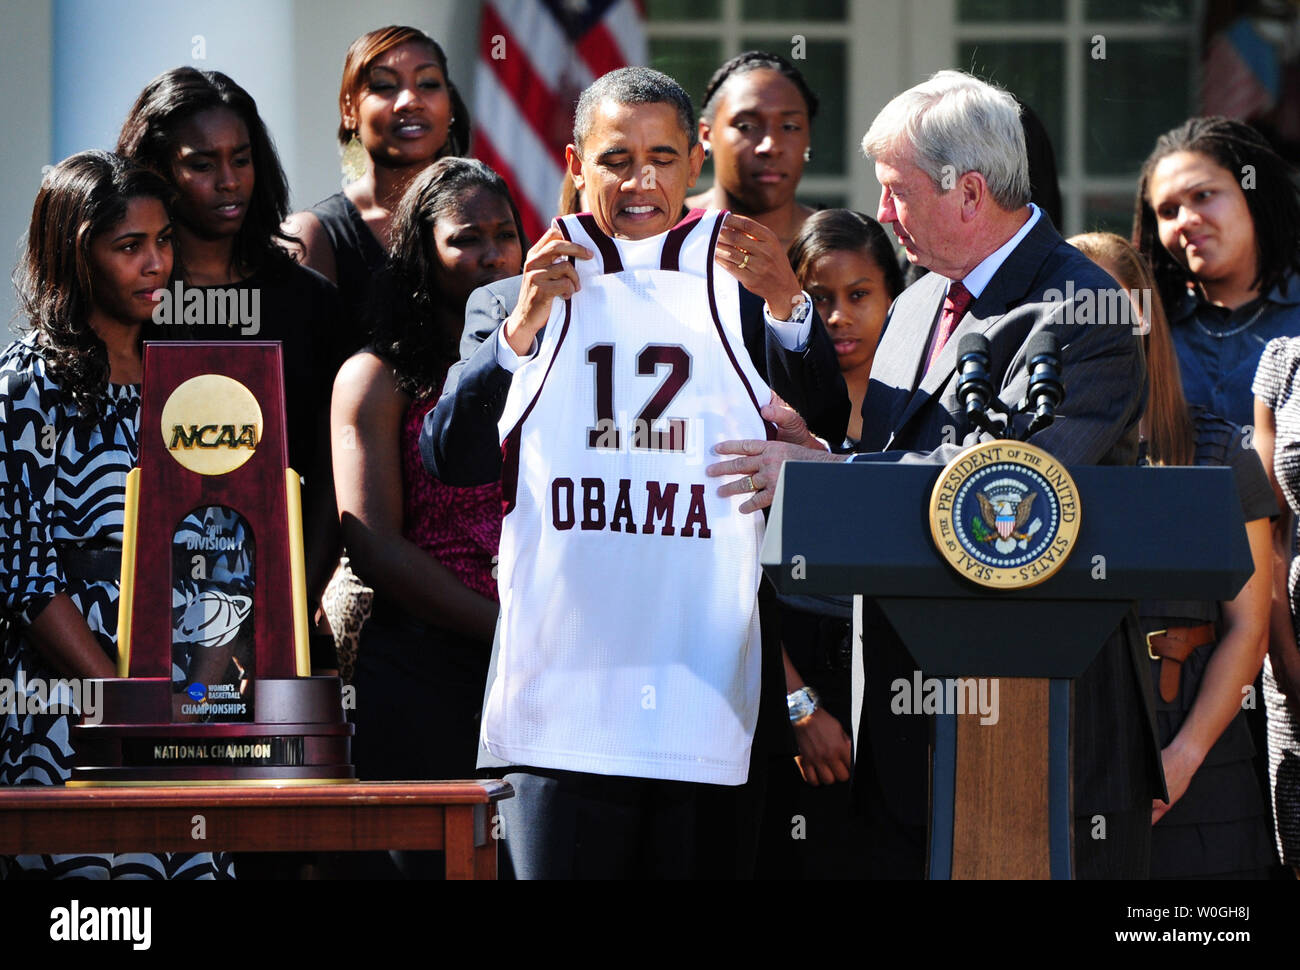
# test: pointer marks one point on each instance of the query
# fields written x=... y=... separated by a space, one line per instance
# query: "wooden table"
x=455 y=817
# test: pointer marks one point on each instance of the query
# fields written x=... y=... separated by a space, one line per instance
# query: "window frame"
x=929 y=40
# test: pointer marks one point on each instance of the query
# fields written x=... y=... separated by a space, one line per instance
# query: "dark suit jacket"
x=910 y=416
x=459 y=442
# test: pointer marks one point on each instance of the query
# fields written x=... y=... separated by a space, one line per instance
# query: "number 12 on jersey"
x=645 y=436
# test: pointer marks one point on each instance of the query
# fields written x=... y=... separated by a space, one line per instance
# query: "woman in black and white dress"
x=98 y=248
x=1277 y=438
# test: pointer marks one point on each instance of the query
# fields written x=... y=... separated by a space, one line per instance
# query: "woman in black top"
x=202 y=132
x=1215 y=824
x=399 y=113
x=756 y=123
x=845 y=262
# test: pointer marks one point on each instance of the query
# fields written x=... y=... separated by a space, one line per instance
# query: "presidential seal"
x=1005 y=514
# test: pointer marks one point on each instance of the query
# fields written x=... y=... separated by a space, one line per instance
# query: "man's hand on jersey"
x=825 y=751
x=790 y=425
x=754 y=255
x=759 y=467
x=547 y=274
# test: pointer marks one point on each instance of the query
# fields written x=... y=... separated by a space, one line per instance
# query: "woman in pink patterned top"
x=426 y=548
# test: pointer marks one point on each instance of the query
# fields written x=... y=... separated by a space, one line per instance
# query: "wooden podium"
x=214 y=680
x=1000 y=794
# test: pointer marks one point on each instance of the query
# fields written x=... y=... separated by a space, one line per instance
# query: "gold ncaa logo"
x=211 y=424
x=1005 y=514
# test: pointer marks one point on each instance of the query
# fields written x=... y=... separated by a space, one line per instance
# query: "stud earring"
x=354 y=159
x=708 y=153
x=807 y=154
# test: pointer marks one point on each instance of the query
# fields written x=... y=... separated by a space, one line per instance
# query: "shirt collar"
x=978 y=278
x=1285 y=293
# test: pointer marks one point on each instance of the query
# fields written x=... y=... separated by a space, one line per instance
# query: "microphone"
x=974 y=389
x=1046 y=392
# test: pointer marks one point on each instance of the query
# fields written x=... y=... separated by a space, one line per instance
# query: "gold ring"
x=752 y=487
x=744 y=262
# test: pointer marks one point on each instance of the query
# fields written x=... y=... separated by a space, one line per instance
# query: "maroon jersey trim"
x=564 y=231
x=722 y=333
x=612 y=262
x=671 y=256
x=510 y=447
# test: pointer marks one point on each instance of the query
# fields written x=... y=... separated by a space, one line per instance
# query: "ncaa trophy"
x=214 y=682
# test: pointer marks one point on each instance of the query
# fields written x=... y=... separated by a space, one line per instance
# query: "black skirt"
x=419 y=697
x=1219 y=828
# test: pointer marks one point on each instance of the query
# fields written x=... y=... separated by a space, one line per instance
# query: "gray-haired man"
x=950 y=157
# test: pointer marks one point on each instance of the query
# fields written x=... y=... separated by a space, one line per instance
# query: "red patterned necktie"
x=955 y=305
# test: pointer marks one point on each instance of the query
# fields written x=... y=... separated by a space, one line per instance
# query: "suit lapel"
x=1006 y=289
x=934 y=378
x=897 y=364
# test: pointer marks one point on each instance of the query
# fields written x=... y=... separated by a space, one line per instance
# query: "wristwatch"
x=798 y=311
x=801 y=703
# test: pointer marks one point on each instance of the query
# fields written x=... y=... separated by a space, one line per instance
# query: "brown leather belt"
x=1171 y=647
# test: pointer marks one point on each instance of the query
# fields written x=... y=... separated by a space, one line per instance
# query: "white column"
x=25 y=53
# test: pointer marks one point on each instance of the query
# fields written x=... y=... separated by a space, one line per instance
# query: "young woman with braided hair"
x=756 y=123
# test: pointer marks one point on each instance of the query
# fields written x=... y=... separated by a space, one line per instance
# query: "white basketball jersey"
x=629 y=641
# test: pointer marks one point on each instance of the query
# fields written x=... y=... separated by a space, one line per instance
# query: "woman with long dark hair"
x=1218 y=218
x=202 y=132
x=756 y=123
x=1205 y=655
x=846 y=263
x=427 y=549
x=98 y=251
x=399 y=112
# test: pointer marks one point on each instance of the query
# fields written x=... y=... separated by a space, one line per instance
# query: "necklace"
x=1221 y=334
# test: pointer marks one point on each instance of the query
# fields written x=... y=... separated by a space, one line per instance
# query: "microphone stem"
x=1041 y=421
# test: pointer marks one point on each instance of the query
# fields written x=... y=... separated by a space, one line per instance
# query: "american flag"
x=1242 y=73
x=534 y=59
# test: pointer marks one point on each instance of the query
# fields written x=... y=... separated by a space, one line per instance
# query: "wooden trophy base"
x=300 y=737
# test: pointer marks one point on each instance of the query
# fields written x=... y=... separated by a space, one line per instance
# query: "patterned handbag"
x=347 y=602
